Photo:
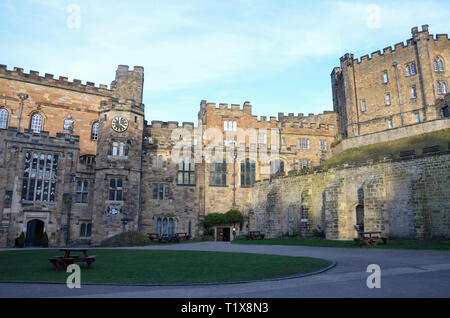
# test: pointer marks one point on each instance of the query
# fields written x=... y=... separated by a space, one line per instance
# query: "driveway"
x=404 y=273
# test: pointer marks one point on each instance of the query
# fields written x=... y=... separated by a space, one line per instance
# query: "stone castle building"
x=81 y=162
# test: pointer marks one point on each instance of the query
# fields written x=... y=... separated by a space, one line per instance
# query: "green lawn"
x=392 y=244
x=145 y=266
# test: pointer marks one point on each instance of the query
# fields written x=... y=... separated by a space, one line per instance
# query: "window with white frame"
x=388 y=99
x=303 y=144
x=68 y=124
x=385 y=77
x=3 y=118
x=119 y=149
x=323 y=145
x=94 y=131
x=304 y=164
x=36 y=123
x=363 y=105
x=262 y=138
x=441 y=88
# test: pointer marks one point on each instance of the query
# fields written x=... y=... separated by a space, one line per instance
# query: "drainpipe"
x=395 y=64
x=22 y=97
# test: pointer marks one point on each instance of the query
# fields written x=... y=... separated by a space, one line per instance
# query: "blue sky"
x=276 y=54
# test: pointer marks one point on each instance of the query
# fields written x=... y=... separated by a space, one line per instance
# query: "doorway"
x=35 y=230
x=223 y=234
x=360 y=217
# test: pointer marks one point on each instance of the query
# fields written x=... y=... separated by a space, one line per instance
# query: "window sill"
x=186 y=185
x=218 y=186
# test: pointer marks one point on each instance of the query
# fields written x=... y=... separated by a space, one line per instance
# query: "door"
x=226 y=234
x=35 y=230
x=219 y=234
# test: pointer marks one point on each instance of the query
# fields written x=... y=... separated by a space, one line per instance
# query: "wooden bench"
x=61 y=262
x=255 y=235
x=169 y=239
x=153 y=236
x=370 y=238
x=183 y=237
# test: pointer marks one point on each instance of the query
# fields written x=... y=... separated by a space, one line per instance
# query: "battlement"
x=119 y=103
x=235 y=108
x=377 y=55
x=171 y=125
x=42 y=137
x=49 y=80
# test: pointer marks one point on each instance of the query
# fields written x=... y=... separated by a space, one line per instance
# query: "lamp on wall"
x=22 y=98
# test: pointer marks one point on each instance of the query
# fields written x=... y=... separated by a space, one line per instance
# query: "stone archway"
x=35 y=231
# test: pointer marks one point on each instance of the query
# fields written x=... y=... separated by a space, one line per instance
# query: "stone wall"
x=390 y=135
x=404 y=199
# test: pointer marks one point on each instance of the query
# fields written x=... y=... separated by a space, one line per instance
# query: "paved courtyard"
x=404 y=273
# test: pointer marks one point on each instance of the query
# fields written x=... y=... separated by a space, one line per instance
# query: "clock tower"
x=118 y=162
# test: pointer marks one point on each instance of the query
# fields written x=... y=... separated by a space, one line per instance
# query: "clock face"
x=119 y=124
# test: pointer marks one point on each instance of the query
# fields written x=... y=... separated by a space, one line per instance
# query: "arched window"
x=36 y=123
x=158 y=227
x=438 y=65
x=3 y=118
x=83 y=230
x=89 y=230
x=248 y=168
x=94 y=131
x=165 y=226
x=170 y=226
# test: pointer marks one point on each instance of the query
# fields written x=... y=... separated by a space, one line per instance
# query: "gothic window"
x=3 y=118
x=82 y=192
x=411 y=69
x=441 y=88
x=218 y=173
x=248 y=172
x=83 y=230
x=158 y=227
x=36 y=123
x=94 y=131
x=438 y=65
x=39 y=177
x=116 y=189
x=165 y=226
x=68 y=124
x=276 y=167
x=186 y=172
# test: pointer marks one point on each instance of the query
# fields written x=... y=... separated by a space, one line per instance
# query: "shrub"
x=231 y=217
x=21 y=240
x=131 y=238
x=319 y=232
x=44 y=240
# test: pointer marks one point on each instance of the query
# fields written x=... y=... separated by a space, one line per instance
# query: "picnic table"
x=370 y=238
x=61 y=262
x=255 y=235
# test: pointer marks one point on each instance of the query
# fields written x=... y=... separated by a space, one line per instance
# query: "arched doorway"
x=35 y=230
x=360 y=217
